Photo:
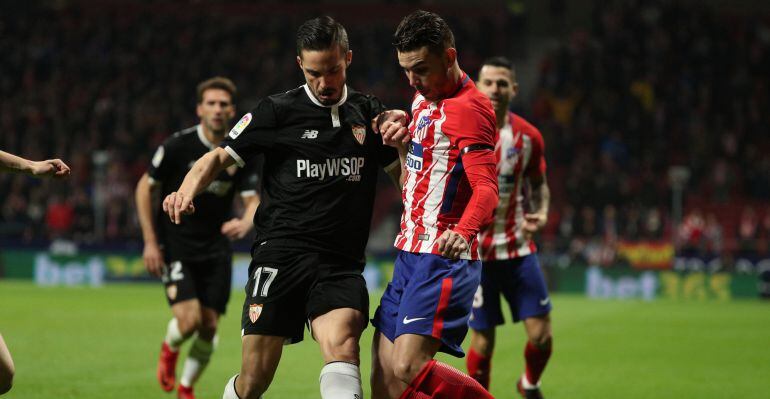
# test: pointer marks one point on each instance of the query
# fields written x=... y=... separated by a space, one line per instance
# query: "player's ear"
x=514 y=89
x=450 y=55
x=299 y=62
x=348 y=58
x=199 y=110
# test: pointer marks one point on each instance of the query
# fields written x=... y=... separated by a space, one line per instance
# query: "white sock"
x=341 y=380
x=230 y=389
x=197 y=360
x=528 y=385
x=174 y=337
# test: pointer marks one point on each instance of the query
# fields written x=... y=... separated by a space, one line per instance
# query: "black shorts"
x=208 y=281
x=287 y=289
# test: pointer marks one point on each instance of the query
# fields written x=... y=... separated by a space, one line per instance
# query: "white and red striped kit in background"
x=436 y=190
x=520 y=153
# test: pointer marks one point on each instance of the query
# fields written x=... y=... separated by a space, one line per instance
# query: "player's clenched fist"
x=451 y=244
x=50 y=167
x=177 y=204
x=392 y=125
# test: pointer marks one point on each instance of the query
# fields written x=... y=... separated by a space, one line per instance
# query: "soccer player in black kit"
x=319 y=179
x=194 y=258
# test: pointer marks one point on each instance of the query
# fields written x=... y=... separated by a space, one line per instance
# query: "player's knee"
x=483 y=342
x=207 y=330
x=406 y=369
x=189 y=325
x=542 y=338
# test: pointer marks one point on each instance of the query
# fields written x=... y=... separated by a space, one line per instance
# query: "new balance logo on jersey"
x=331 y=167
x=310 y=134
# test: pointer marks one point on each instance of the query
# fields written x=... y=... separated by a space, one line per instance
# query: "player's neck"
x=212 y=137
x=503 y=118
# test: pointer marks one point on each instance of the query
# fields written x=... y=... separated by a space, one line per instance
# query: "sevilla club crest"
x=254 y=311
x=359 y=132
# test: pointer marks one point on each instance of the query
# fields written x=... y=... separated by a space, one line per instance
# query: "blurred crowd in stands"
x=649 y=85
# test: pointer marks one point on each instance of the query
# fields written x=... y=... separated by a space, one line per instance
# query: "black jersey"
x=199 y=235
x=320 y=169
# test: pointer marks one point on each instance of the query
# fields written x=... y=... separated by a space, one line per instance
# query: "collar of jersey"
x=318 y=103
x=203 y=138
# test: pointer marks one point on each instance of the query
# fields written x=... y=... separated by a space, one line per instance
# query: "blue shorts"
x=522 y=284
x=429 y=295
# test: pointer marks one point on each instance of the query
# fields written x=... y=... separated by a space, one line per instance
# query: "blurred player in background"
x=48 y=168
x=194 y=258
x=320 y=176
x=448 y=192
x=510 y=265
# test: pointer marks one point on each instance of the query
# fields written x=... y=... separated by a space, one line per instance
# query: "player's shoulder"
x=470 y=106
x=519 y=123
x=181 y=137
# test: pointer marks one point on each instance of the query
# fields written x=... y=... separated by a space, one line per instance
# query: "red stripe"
x=443 y=302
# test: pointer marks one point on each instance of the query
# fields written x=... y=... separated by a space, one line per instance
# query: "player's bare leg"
x=186 y=321
x=536 y=353
x=337 y=333
x=6 y=368
x=479 y=360
x=383 y=380
x=203 y=345
x=260 y=357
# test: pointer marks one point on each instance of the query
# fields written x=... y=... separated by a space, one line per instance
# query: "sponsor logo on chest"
x=331 y=167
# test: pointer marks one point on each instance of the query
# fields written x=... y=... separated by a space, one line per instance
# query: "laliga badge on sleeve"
x=240 y=126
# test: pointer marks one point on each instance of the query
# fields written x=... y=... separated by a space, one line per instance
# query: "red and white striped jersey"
x=520 y=153
x=436 y=190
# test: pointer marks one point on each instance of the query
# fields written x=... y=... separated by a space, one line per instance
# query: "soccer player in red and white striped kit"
x=510 y=264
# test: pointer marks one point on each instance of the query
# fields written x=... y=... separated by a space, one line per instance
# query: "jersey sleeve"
x=470 y=125
x=249 y=181
x=536 y=166
x=161 y=163
x=253 y=134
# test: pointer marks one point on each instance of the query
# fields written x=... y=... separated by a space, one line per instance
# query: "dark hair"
x=502 y=62
x=217 y=82
x=420 y=29
x=320 y=34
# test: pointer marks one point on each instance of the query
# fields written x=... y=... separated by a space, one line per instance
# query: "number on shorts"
x=478 y=298
x=175 y=271
x=271 y=273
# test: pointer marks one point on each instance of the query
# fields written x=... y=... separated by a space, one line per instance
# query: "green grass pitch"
x=103 y=343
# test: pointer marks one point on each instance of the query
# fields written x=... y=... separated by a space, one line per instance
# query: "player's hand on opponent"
x=235 y=228
x=177 y=204
x=533 y=222
x=50 y=167
x=452 y=244
x=153 y=259
x=393 y=126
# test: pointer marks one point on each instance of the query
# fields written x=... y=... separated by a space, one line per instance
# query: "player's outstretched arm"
x=49 y=167
x=152 y=255
x=540 y=200
x=237 y=228
x=202 y=173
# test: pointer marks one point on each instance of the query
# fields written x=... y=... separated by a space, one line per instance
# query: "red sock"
x=440 y=381
x=479 y=367
x=536 y=359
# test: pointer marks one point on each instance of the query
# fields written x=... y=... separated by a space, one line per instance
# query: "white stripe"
x=335 y=116
x=318 y=103
x=248 y=193
x=203 y=139
x=439 y=176
x=235 y=156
